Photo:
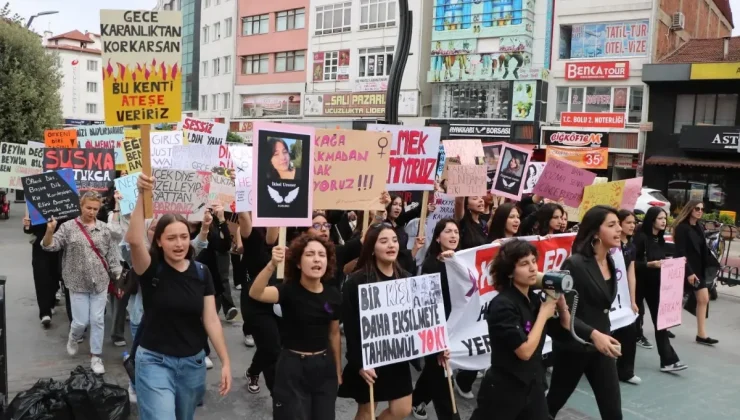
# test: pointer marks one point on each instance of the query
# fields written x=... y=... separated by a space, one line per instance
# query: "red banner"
x=592 y=119
x=601 y=70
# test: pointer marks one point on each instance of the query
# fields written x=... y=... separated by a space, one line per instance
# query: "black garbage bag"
x=44 y=401
x=90 y=398
x=111 y=402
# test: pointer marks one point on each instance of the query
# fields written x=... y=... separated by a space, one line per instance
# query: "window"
x=217 y=31
x=488 y=100
x=228 y=25
x=598 y=99
x=377 y=14
x=92 y=87
x=92 y=65
x=331 y=65
x=333 y=18
x=214 y=101
x=91 y=108
x=290 y=19
x=375 y=61
x=562 y=102
x=227 y=64
x=255 y=64
x=705 y=109
x=576 y=100
x=290 y=61
x=205 y=34
x=216 y=66
x=227 y=100
x=635 y=107
x=204 y=102
x=627 y=100
x=204 y=71
x=254 y=25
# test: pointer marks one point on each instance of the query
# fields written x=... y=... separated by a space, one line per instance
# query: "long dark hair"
x=272 y=173
x=589 y=229
x=649 y=220
x=388 y=207
x=155 y=251
x=544 y=215
x=435 y=248
x=500 y=217
x=623 y=214
x=685 y=215
x=505 y=262
x=295 y=252
x=470 y=231
x=366 y=262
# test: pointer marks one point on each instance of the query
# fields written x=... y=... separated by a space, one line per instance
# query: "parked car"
x=650 y=197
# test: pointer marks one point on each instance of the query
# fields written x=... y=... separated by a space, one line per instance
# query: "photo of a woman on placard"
x=282 y=163
x=510 y=178
x=514 y=164
x=532 y=177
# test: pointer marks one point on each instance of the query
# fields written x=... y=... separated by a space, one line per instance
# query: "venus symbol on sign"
x=382 y=146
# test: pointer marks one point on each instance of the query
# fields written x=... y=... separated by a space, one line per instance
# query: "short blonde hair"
x=90 y=196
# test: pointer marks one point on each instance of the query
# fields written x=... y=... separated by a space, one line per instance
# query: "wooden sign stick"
x=281 y=243
x=146 y=163
x=423 y=218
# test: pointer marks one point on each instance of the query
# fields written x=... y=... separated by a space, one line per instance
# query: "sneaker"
x=479 y=375
x=467 y=395
x=634 y=380
x=131 y=393
x=706 y=341
x=119 y=343
x=671 y=335
x=676 y=367
x=238 y=287
x=249 y=341
x=72 y=345
x=231 y=314
x=420 y=411
x=46 y=321
x=209 y=363
x=96 y=364
x=81 y=339
x=644 y=343
x=53 y=311
x=253 y=385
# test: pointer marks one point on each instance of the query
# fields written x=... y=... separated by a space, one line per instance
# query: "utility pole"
x=401 y=55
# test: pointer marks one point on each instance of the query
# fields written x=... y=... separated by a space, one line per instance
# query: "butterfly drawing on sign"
x=276 y=197
x=508 y=184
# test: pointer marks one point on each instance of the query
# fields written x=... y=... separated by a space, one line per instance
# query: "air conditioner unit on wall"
x=678 y=21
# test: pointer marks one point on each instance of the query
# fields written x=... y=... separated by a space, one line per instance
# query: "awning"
x=683 y=161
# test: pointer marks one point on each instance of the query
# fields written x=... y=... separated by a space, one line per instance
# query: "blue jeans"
x=169 y=388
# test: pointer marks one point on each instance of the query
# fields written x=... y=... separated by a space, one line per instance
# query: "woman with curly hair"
x=309 y=367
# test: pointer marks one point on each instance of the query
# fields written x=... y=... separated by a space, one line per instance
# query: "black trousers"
x=46 y=278
x=305 y=387
x=668 y=356
x=627 y=337
x=465 y=379
x=239 y=268
x=266 y=334
x=432 y=387
x=601 y=373
x=243 y=302
x=503 y=397
x=640 y=299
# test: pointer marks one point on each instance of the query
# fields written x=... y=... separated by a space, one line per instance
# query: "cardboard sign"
x=222 y=191
x=444 y=207
x=413 y=156
x=563 y=180
x=632 y=191
x=241 y=156
x=127 y=187
x=183 y=192
x=401 y=320
x=204 y=132
x=195 y=157
x=51 y=194
x=466 y=151
x=17 y=161
x=509 y=180
x=224 y=157
x=95 y=169
x=66 y=139
x=142 y=74
x=102 y=137
x=161 y=144
x=606 y=194
x=349 y=169
x=132 y=155
x=672 y=273
x=466 y=180
x=534 y=172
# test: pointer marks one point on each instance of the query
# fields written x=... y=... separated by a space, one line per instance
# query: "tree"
x=29 y=83
x=232 y=137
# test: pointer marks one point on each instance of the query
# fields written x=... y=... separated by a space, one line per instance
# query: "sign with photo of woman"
x=509 y=180
x=283 y=170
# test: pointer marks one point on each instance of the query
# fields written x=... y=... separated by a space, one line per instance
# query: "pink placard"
x=563 y=180
x=632 y=191
x=510 y=175
x=671 y=292
x=282 y=171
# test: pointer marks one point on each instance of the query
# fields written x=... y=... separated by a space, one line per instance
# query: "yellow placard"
x=132 y=155
x=715 y=71
x=607 y=194
x=142 y=66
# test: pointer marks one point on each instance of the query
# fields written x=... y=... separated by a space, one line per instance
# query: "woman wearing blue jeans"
x=179 y=315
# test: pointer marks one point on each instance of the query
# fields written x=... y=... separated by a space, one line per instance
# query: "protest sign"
x=51 y=194
x=672 y=278
x=102 y=137
x=241 y=155
x=444 y=207
x=349 y=171
x=401 y=320
x=632 y=191
x=127 y=187
x=142 y=77
x=95 y=169
x=184 y=192
x=224 y=157
x=161 y=147
x=560 y=179
x=222 y=191
x=282 y=170
x=509 y=180
x=204 y=132
x=466 y=180
x=413 y=156
x=468 y=152
x=491 y=155
x=606 y=194
x=132 y=154
x=66 y=139
x=197 y=157
x=534 y=172
x=440 y=160
x=17 y=161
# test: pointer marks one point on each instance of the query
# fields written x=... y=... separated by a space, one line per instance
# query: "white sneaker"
x=420 y=411
x=72 y=345
x=238 y=287
x=46 y=321
x=96 y=364
x=120 y=343
x=209 y=363
x=249 y=341
x=467 y=395
x=479 y=375
x=131 y=394
x=635 y=380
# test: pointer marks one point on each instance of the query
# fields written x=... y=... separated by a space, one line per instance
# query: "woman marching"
x=505 y=222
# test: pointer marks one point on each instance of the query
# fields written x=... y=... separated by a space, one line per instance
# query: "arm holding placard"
x=53 y=242
x=135 y=237
x=260 y=291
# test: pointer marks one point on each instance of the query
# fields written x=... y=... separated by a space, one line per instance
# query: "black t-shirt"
x=173 y=309
x=307 y=315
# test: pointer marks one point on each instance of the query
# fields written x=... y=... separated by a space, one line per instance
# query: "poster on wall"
x=611 y=39
x=509 y=180
x=525 y=94
x=283 y=170
x=331 y=65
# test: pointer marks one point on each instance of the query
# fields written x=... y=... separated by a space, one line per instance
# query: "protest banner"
x=95 y=169
x=605 y=194
x=241 y=155
x=560 y=179
x=222 y=191
x=444 y=207
x=534 y=172
x=102 y=137
x=672 y=276
x=132 y=155
x=282 y=170
x=183 y=192
x=195 y=157
x=349 y=170
x=632 y=191
x=509 y=179
x=161 y=147
x=142 y=59
x=466 y=180
x=471 y=291
x=401 y=320
x=127 y=187
x=413 y=156
x=467 y=152
x=203 y=132
x=66 y=139
x=51 y=194
x=224 y=157
x=17 y=161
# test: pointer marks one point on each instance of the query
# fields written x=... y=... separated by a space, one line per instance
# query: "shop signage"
x=489 y=130
x=709 y=138
x=565 y=138
x=370 y=84
x=354 y=104
x=271 y=106
x=83 y=122
x=581 y=157
x=592 y=119
x=610 y=39
x=601 y=70
x=715 y=71
x=625 y=161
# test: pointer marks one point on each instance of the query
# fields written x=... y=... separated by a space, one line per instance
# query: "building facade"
x=217 y=51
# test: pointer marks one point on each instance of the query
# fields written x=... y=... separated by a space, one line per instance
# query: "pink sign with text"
x=671 y=292
x=563 y=180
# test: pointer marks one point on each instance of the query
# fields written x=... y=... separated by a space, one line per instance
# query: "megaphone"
x=555 y=282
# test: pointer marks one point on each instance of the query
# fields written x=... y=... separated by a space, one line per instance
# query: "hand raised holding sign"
x=278 y=255
x=145 y=183
x=51 y=225
x=368 y=375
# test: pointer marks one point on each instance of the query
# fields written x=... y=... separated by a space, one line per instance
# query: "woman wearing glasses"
x=700 y=263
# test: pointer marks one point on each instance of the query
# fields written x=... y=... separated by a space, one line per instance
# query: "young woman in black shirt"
x=512 y=388
x=309 y=367
x=505 y=222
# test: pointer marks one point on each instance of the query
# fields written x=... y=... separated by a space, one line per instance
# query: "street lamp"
x=48 y=12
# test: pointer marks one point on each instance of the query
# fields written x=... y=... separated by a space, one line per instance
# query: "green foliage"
x=725 y=219
x=296 y=150
x=709 y=217
x=5 y=14
x=232 y=137
x=29 y=83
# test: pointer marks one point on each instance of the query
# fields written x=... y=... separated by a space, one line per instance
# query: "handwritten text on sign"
x=16 y=161
x=204 y=132
x=413 y=156
x=671 y=292
x=51 y=194
x=401 y=320
x=161 y=147
x=466 y=180
x=563 y=180
x=127 y=187
x=184 y=192
x=132 y=154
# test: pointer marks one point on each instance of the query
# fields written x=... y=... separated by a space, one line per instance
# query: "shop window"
x=626 y=100
x=375 y=61
x=598 y=99
x=693 y=183
x=471 y=100
x=566 y=33
x=705 y=109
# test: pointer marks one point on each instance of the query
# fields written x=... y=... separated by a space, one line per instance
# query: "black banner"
x=51 y=194
x=95 y=169
x=573 y=138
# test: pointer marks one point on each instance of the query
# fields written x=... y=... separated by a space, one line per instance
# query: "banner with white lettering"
x=471 y=290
